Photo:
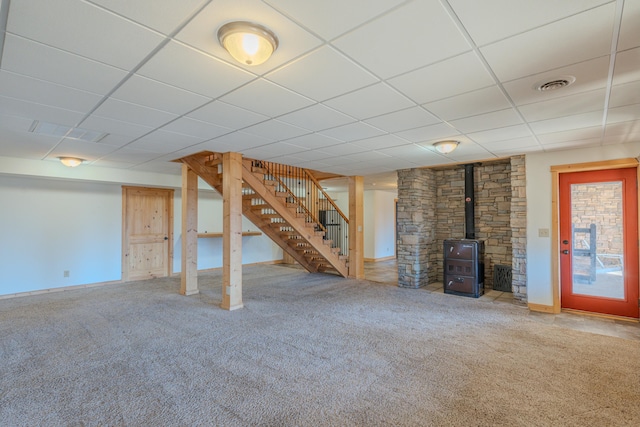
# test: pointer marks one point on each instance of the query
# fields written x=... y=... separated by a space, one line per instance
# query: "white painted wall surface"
x=49 y=225
x=539 y=214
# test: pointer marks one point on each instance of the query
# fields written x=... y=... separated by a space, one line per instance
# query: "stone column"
x=519 y=228
x=415 y=227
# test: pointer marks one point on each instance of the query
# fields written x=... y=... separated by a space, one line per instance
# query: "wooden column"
x=356 y=227
x=189 y=271
x=232 y=231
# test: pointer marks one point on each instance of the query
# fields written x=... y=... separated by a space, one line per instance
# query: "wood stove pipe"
x=469 y=202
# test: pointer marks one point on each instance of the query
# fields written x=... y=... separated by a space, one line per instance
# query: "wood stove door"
x=599 y=241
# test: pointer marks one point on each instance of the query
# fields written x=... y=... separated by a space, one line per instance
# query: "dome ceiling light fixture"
x=446 y=147
x=247 y=42
x=71 y=162
x=554 y=84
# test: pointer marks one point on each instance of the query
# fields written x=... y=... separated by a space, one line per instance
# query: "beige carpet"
x=307 y=350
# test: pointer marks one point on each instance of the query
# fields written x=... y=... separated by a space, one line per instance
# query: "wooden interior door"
x=599 y=241
x=147 y=232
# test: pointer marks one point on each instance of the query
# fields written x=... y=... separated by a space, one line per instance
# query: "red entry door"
x=599 y=241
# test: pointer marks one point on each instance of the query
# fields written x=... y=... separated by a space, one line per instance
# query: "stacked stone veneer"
x=431 y=209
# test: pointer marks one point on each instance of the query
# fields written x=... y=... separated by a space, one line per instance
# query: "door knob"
x=566 y=252
x=565 y=242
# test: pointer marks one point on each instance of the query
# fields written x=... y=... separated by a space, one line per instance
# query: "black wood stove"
x=464 y=258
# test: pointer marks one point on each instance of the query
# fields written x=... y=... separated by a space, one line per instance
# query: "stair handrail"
x=295 y=198
x=317 y=184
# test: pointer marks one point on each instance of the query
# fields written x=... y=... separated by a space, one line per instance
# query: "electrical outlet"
x=543 y=232
x=65 y=273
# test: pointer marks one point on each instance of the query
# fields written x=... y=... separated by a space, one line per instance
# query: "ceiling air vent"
x=554 y=84
x=64 y=131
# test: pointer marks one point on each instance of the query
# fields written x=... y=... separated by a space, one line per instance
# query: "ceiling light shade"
x=71 y=162
x=446 y=147
x=248 y=43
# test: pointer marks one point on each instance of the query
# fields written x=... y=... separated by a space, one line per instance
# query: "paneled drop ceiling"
x=356 y=87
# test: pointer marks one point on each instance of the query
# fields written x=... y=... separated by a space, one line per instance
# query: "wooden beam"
x=189 y=271
x=232 y=231
x=356 y=227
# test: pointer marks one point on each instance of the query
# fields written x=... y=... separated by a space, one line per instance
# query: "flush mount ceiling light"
x=71 y=162
x=248 y=43
x=554 y=84
x=446 y=147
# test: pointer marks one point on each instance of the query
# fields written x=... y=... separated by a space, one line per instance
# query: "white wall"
x=50 y=223
x=379 y=221
x=539 y=214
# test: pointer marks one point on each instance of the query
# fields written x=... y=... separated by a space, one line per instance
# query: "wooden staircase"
x=281 y=214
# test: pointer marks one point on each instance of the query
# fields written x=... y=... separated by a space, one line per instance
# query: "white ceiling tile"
x=115 y=140
x=493 y=120
x=42 y=62
x=622 y=128
x=629 y=29
x=514 y=151
x=590 y=75
x=227 y=115
x=426 y=133
x=316 y=118
x=500 y=134
x=510 y=144
x=366 y=156
x=570 y=135
x=621 y=139
x=568 y=123
x=313 y=141
x=625 y=94
x=623 y=114
x=627 y=68
x=515 y=16
x=150 y=93
x=412 y=152
x=116 y=127
x=182 y=66
x=84 y=150
x=240 y=141
x=201 y=32
x=112 y=165
x=161 y=141
x=164 y=17
x=468 y=104
x=352 y=131
x=322 y=74
x=266 y=98
x=371 y=101
x=125 y=111
x=554 y=45
x=403 y=120
x=311 y=155
x=266 y=152
x=389 y=53
x=41 y=92
x=197 y=128
x=382 y=141
x=342 y=149
x=321 y=17
x=15 y=123
x=33 y=111
x=130 y=155
x=565 y=106
x=26 y=145
x=275 y=130
x=567 y=145
x=78 y=33
x=445 y=79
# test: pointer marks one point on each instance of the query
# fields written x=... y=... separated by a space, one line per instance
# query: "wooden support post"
x=189 y=271
x=356 y=227
x=232 y=231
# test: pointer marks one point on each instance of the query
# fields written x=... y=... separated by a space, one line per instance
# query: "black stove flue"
x=469 y=202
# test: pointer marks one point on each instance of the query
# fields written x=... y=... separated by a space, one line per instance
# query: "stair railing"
x=304 y=190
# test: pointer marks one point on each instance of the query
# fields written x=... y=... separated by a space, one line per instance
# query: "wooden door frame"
x=555 y=214
x=170 y=196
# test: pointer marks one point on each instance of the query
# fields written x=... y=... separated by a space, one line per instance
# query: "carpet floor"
x=306 y=350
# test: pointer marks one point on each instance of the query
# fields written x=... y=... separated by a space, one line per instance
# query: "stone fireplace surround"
x=431 y=209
